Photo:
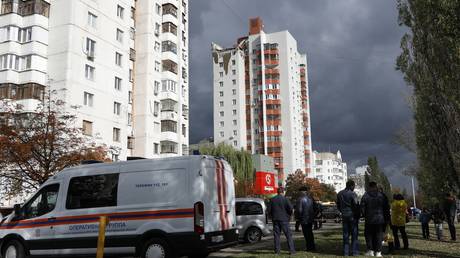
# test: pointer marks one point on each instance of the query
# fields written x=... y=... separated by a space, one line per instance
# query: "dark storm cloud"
x=358 y=99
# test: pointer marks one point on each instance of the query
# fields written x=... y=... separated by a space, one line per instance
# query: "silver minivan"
x=251 y=219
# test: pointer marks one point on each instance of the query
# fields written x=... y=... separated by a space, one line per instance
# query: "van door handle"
x=52 y=219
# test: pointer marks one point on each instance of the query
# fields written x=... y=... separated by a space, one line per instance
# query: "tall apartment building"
x=261 y=98
x=330 y=169
x=122 y=63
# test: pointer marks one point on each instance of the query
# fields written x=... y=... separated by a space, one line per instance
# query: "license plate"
x=217 y=239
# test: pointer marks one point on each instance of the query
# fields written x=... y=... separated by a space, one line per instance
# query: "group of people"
x=380 y=218
x=439 y=214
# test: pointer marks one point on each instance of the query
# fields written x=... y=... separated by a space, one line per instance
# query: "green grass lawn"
x=329 y=244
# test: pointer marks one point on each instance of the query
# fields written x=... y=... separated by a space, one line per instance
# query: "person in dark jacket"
x=438 y=218
x=306 y=210
x=348 y=205
x=424 y=219
x=376 y=210
x=450 y=210
x=281 y=210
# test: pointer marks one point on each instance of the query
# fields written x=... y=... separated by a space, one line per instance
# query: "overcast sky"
x=357 y=98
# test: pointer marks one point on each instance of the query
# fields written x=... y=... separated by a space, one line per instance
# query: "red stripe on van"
x=224 y=196
x=220 y=200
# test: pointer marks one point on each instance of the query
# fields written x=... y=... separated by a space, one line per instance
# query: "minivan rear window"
x=248 y=208
x=92 y=191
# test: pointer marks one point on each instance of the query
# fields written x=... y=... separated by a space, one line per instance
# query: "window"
x=235 y=143
x=130 y=119
x=42 y=203
x=157 y=46
x=92 y=191
x=88 y=99
x=116 y=108
x=169 y=105
x=221 y=103
x=87 y=128
x=25 y=35
x=92 y=18
x=90 y=47
x=233 y=72
x=168 y=147
x=221 y=84
x=119 y=36
x=116 y=134
x=221 y=113
x=248 y=208
x=120 y=12
x=235 y=133
x=234 y=102
x=157 y=66
x=117 y=85
x=221 y=123
x=170 y=9
x=234 y=112
x=168 y=46
x=132 y=33
x=234 y=82
x=157 y=29
x=118 y=58
x=234 y=91
x=184 y=130
x=169 y=65
x=222 y=134
x=89 y=72
x=158 y=9
x=221 y=74
x=130 y=144
x=133 y=13
x=221 y=93
x=156 y=108
x=155 y=148
x=234 y=122
x=156 y=87
x=169 y=27
x=233 y=62
x=221 y=64
x=156 y=127
x=169 y=86
x=131 y=75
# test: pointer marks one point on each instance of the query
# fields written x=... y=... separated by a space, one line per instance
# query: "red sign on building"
x=265 y=183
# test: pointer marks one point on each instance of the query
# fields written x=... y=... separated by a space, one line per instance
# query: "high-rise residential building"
x=330 y=169
x=261 y=98
x=122 y=63
x=359 y=178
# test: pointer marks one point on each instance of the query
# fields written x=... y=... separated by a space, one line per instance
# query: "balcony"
x=26 y=8
x=22 y=91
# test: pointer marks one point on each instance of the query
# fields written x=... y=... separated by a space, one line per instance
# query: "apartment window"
x=120 y=12
x=158 y=9
x=116 y=134
x=168 y=147
x=221 y=113
x=133 y=13
x=221 y=64
x=131 y=75
x=92 y=19
x=234 y=122
x=168 y=46
x=221 y=84
x=156 y=87
x=130 y=97
x=157 y=46
x=235 y=133
x=235 y=143
x=88 y=99
x=222 y=134
x=221 y=123
x=130 y=145
x=169 y=86
x=169 y=65
x=184 y=130
x=157 y=29
x=233 y=62
x=156 y=108
x=90 y=47
x=89 y=72
x=156 y=148
x=234 y=91
x=119 y=35
x=117 y=85
x=116 y=108
x=221 y=74
x=132 y=33
x=157 y=66
x=234 y=102
x=25 y=35
x=233 y=72
x=234 y=112
x=169 y=27
x=118 y=58
x=169 y=105
x=168 y=126
x=170 y=9
x=234 y=82
x=221 y=103
x=221 y=93
x=87 y=128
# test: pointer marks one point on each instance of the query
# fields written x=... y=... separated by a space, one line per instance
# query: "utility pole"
x=413 y=191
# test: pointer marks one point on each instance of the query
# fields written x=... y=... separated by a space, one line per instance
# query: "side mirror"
x=17 y=209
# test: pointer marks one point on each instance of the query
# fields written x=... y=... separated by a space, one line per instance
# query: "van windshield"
x=42 y=203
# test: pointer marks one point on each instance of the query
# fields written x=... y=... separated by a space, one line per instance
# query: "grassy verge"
x=329 y=244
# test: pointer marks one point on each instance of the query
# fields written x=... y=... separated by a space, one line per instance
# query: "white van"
x=157 y=208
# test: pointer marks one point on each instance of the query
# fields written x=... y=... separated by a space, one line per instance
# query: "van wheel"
x=13 y=249
x=253 y=235
x=156 y=248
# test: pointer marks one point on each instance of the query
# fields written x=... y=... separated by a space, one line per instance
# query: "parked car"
x=156 y=208
x=330 y=212
x=251 y=219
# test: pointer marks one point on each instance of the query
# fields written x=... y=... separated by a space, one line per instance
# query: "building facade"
x=359 y=178
x=120 y=65
x=261 y=98
x=330 y=169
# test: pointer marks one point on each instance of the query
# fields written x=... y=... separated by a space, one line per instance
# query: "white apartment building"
x=122 y=66
x=330 y=169
x=359 y=178
x=261 y=98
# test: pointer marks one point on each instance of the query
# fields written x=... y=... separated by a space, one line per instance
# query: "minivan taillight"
x=198 y=211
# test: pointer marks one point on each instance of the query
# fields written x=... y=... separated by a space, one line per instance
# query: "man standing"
x=347 y=204
x=306 y=210
x=450 y=210
x=375 y=208
x=281 y=211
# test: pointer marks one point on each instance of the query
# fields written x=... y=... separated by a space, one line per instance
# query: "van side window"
x=92 y=191
x=248 y=208
x=42 y=203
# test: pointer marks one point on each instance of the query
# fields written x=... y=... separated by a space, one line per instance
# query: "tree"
x=374 y=173
x=36 y=144
x=430 y=62
x=298 y=180
x=329 y=193
x=241 y=163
